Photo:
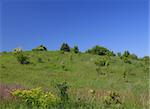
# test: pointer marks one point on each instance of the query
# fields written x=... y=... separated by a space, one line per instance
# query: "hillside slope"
x=79 y=70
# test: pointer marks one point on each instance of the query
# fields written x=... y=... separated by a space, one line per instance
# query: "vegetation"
x=126 y=54
x=36 y=97
x=65 y=47
x=16 y=50
x=21 y=58
x=40 y=48
x=76 y=49
x=99 y=50
x=91 y=81
x=113 y=100
x=63 y=88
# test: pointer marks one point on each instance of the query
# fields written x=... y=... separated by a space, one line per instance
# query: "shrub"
x=111 y=53
x=21 y=58
x=65 y=47
x=36 y=97
x=76 y=49
x=126 y=60
x=126 y=53
x=17 y=50
x=40 y=48
x=133 y=56
x=63 y=91
x=99 y=50
x=102 y=66
x=102 y=62
x=112 y=99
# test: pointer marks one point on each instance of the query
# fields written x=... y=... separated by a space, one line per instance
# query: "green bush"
x=111 y=53
x=40 y=48
x=22 y=59
x=99 y=50
x=76 y=49
x=102 y=62
x=63 y=91
x=36 y=97
x=126 y=53
x=102 y=66
x=113 y=99
x=133 y=56
x=126 y=60
x=65 y=47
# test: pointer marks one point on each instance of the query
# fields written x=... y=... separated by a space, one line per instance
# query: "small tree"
x=63 y=91
x=21 y=58
x=76 y=49
x=126 y=53
x=65 y=47
x=99 y=50
x=40 y=48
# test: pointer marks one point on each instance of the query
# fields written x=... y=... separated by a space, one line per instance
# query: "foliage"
x=22 y=59
x=63 y=91
x=102 y=62
x=36 y=97
x=76 y=49
x=81 y=77
x=111 y=53
x=126 y=60
x=146 y=60
x=65 y=47
x=102 y=65
x=17 y=50
x=126 y=53
x=133 y=56
x=112 y=99
x=99 y=50
x=40 y=48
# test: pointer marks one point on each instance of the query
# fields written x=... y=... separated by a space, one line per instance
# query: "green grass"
x=80 y=73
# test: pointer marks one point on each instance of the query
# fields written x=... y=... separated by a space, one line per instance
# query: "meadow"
x=87 y=84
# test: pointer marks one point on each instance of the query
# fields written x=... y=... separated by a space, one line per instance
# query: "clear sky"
x=116 y=24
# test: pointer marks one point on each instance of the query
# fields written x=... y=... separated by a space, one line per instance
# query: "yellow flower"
x=91 y=91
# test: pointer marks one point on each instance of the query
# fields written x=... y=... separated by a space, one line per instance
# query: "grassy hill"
x=47 y=68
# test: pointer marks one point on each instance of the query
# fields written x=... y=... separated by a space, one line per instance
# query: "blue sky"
x=116 y=24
